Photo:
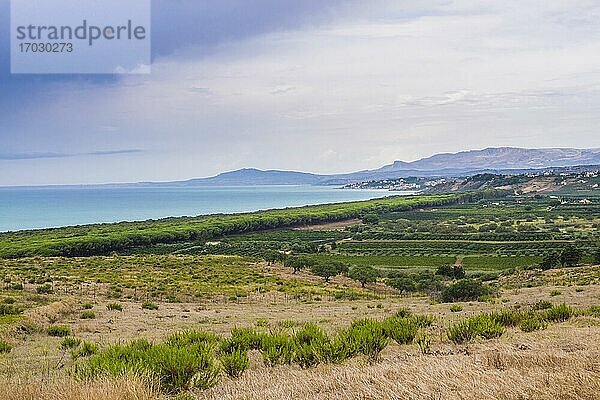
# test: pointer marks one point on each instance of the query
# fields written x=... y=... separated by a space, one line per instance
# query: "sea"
x=23 y=208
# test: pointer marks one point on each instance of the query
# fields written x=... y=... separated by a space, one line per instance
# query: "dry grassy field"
x=559 y=362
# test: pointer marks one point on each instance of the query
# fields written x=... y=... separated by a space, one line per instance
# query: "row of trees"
x=323 y=268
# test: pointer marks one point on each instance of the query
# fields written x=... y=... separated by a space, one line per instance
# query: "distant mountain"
x=465 y=163
x=501 y=158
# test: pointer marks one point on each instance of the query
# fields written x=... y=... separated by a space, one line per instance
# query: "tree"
x=550 y=261
x=327 y=269
x=370 y=218
x=597 y=256
x=298 y=263
x=364 y=274
x=465 y=290
x=272 y=256
x=570 y=256
x=451 y=271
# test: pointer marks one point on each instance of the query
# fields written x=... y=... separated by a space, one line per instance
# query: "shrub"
x=147 y=305
x=532 y=324
x=507 y=317
x=559 y=313
x=174 y=369
x=403 y=312
x=465 y=290
x=114 y=307
x=88 y=315
x=310 y=346
x=483 y=326
x=10 y=309
x=422 y=320
x=5 y=347
x=594 y=311
x=58 y=330
x=401 y=330
x=87 y=306
x=456 y=308
x=70 y=343
x=555 y=292
x=542 y=305
x=86 y=349
x=277 y=349
x=424 y=343
x=235 y=363
x=45 y=289
x=191 y=338
x=262 y=322
x=369 y=336
x=9 y=300
x=247 y=338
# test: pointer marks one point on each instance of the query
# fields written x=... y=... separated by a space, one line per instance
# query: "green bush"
x=191 y=338
x=542 y=305
x=235 y=363
x=277 y=349
x=147 y=305
x=10 y=309
x=174 y=369
x=5 y=347
x=594 y=311
x=532 y=324
x=88 y=315
x=86 y=349
x=87 y=306
x=484 y=326
x=369 y=337
x=456 y=308
x=58 y=330
x=555 y=292
x=401 y=330
x=70 y=343
x=507 y=317
x=114 y=307
x=45 y=289
x=559 y=313
x=310 y=346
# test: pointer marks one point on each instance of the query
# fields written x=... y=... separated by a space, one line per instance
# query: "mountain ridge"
x=470 y=162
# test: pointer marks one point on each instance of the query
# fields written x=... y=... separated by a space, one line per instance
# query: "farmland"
x=374 y=299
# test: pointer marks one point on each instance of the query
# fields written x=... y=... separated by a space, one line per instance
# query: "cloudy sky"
x=319 y=86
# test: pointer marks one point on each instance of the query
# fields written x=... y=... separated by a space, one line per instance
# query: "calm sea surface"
x=45 y=207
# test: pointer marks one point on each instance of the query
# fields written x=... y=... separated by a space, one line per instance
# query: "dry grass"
x=68 y=389
x=494 y=372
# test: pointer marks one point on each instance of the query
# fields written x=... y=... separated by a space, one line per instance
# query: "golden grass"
x=68 y=389
x=498 y=374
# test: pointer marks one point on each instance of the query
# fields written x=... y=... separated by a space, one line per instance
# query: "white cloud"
x=388 y=81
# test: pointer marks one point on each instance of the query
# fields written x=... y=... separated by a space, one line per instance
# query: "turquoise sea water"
x=45 y=207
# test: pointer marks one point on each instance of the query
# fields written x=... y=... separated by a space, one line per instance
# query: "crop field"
x=479 y=296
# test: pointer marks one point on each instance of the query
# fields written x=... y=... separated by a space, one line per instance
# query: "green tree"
x=370 y=218
x=570 y=256
x=298 y=263
x=327 y=269
x=364 y=274
x=272 y=256
x=550 y=261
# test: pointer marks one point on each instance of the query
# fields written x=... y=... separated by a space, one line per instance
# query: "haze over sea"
x=46 y=207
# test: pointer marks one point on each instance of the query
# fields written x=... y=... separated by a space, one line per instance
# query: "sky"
x=318 y=86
